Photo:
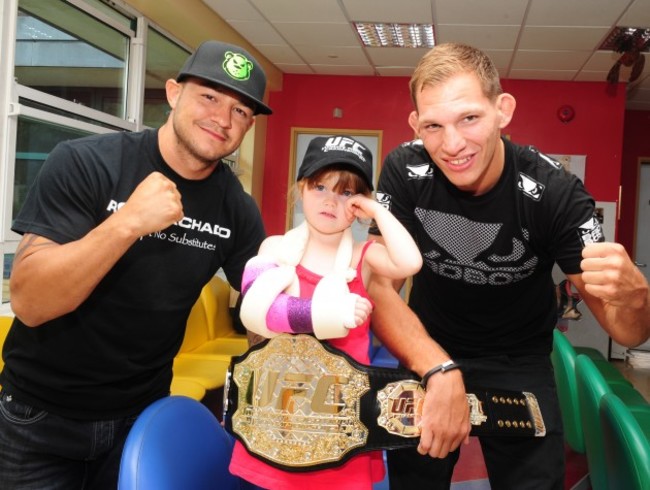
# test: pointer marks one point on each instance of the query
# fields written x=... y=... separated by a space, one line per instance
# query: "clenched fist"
x=154 y=205
x=609 y=274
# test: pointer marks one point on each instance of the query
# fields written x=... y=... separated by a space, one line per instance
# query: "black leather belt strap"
x=301 y=405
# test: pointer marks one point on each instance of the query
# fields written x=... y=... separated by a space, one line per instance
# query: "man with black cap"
x=120 y=233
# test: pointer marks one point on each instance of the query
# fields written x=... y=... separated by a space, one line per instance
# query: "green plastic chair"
x=592 y=386
x=626 y=435
x=563 y=358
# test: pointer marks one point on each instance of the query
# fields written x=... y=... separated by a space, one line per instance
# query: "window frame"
x=13 y=95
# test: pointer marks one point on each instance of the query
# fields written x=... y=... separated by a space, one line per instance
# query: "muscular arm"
x=49 y=280
x=615 y=291
x=445 y=415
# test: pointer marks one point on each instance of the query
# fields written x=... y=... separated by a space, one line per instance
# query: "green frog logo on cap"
x=237 y=66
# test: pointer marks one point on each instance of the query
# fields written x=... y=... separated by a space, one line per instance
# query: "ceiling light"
x=381 y=35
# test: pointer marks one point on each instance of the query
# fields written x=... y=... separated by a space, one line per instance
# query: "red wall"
x=383 y=103
x=636 y=144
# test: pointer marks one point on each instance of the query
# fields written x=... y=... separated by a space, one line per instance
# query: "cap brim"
x=326 y=162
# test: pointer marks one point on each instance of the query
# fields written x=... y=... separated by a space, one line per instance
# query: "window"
x=164 y=58
x=79 y=68
x=8 y=260
x=34 y=142
x=65 y=52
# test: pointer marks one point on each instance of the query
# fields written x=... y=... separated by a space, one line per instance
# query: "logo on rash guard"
x=186 y=222
x=383 y=199
x=203 y=227
x=530 y=187
x=471 y=252
x=420 y=171
x=591 y=231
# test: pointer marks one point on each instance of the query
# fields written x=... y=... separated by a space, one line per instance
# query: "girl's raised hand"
x=362 y=207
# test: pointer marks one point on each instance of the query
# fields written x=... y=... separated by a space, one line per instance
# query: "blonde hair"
x=446 y=60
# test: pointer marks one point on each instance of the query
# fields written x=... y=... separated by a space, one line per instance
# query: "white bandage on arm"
x=271 y=303
x=332 y=308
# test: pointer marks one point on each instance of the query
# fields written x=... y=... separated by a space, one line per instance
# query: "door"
x=642 y=252
x=642 y=248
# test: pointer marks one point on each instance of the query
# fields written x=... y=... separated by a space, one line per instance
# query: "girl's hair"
x=348 y=179
x=449 y=59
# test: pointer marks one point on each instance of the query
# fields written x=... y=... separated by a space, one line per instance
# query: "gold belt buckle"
x=401 y=408
x=298 y=404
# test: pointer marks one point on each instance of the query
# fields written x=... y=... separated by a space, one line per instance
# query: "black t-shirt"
x=113 y=355
x=486 y=287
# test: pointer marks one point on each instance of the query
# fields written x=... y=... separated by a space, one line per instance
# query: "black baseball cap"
x=343 y=150
x=230 y=66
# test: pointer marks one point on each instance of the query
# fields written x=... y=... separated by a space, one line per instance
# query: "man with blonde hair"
x=491 y=218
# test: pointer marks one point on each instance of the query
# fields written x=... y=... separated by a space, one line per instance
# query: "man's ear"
x=506 y=104
x=414 y=123
x=172 y=90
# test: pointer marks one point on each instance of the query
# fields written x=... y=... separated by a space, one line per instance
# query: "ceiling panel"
x=318 y=34
x=298 y=11
x=337 y=56
x=561 y=38
x=481 y=12
x=588 y=13
x=488 y=37
x=402 y=11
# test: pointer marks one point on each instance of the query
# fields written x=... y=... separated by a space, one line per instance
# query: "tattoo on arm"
x=27 y=243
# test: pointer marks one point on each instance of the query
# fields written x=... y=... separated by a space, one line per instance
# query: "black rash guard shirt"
x=486 y=287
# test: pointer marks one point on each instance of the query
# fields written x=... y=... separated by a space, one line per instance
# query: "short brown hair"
x=446 y=60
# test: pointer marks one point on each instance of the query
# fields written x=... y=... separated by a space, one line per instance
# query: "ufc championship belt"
x=300 y=405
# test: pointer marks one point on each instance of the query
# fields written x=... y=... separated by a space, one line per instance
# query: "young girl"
x=321 y=263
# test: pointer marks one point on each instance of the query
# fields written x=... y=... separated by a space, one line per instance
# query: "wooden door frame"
x=641 y=161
